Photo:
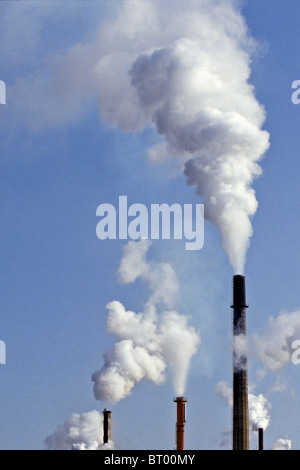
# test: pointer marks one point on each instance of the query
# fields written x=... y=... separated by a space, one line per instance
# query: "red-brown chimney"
x=181 y=401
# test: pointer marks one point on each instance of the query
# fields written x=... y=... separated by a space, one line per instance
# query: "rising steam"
x=151 y=341
x=185 y=71
x=79 y=432
x=182 y=69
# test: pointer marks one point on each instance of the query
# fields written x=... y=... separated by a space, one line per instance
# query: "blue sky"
x=59 y=160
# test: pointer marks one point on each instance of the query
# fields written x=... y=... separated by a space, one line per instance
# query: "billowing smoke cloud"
x=282 y=444
x=182 y=69
x=207 y=112
x=79 y=432
x=258 y=406
x=149 y=342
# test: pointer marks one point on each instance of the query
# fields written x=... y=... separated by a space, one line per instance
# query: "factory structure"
x=240 y=413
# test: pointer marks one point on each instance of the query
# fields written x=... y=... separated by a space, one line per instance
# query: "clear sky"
x=73 y=137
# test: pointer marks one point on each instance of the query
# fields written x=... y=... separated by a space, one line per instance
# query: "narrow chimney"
x=240 y=435
x=181 y=401
x=260 y=439
x=107 y=433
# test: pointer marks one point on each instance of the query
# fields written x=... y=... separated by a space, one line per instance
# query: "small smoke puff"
x=224 y=391
x=258 y=412
x=282 y=444
x=274 y=347
x=90 y=446
x=79 y=432
x=160 y=277
x=133 y=264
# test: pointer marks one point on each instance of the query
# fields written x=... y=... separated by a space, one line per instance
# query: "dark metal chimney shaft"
x=260 y=439
x=240 y=434
x=107 y=432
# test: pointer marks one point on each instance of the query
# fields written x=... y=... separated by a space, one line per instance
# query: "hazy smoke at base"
x=150 y=342
x=79 y=432
x=257 y=404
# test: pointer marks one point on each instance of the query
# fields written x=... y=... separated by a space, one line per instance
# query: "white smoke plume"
x=79 y=432
x=282 y=444
x=149 y=342
x=258 y=412
x=175 y=77
x=258 y=406
x=182 y=69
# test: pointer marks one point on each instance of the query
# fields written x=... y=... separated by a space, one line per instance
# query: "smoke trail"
x=79 y=432
x=149 y=342
x=175 y=78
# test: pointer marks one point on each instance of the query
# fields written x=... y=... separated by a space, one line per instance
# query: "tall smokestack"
x=107 y=432
x=181 y=401
x=260 y=439
x=240 y=435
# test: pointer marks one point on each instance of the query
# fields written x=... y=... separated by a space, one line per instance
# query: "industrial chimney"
x=240 y=435
x=181 y=401
x=107 y=432
x=260 y=439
